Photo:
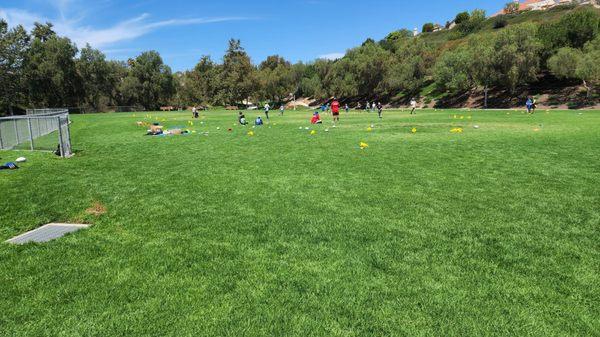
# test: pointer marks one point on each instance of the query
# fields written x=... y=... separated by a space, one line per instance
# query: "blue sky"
x=184 y=30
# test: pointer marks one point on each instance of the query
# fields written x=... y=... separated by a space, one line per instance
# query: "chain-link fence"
x=40 y=129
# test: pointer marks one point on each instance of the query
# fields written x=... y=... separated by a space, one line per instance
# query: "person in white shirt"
x=413 y=105
x=267 y=108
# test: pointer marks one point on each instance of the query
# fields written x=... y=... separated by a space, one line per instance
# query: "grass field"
x=492 y=231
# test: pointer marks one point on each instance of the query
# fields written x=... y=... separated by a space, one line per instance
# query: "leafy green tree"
x=565 y=62
x=500 y=22
x=43 y=32
x=14 y=46
x=475 y=22
x=452 y=71
x=129 y=91
x=483 y=67
x=589 y=71
x=117 y=72
x=462 y=17
x=394 y=37
x=154 y=80
x=203 y=81
x=573 y=63
x=276 y=78
x=95 y=75
x=51 y=73
x=408 y=68
x=237 y=76
x=517 y=55
x=428 y=27
x=573 y=30
x=592 y=45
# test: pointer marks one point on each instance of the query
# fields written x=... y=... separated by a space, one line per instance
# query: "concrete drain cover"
x=46 y=233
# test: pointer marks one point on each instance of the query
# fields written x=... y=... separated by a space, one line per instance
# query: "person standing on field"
x=267 y=108
x=335 y=110
x=379 y=109
x=347 y=108
x=281 y=110
x=413 y=105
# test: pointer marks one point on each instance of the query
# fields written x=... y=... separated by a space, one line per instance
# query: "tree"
x=51 y=73
x=452 y=72
x=408 y=68
x=14 y=46
x=573 y=30
x=500 y=22
x=154 y=80
x=511 y=7
x=588 y=71
x=394 y=37
x=202 y=81
x=276 y=78
x=95 y=74
x=475 y=22
x=462 y=17
x=483 y=69
x=428 y=27
x=565 y=62
x=573 y=63
x=237 y=77
x=43 y=31
x=517 y=55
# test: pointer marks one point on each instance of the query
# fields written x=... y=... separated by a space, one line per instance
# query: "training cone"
x=363 y=145
x=414 y=130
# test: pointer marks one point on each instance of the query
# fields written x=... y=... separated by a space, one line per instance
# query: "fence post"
x=68 y=129
x=1 y=144
x=60 y=140
x=16 y=131
x=30 y=133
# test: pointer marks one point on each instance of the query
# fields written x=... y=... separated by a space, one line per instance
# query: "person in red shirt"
x=316 y=119
x=335 y=110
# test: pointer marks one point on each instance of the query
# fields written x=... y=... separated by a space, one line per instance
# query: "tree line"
x=42 y=69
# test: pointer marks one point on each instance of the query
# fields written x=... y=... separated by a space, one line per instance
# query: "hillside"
x=550 y=91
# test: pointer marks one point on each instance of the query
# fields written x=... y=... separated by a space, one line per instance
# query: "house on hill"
x=541 y=5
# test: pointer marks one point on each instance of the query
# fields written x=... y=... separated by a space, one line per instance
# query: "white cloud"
x=122 y=31
x=332 y=56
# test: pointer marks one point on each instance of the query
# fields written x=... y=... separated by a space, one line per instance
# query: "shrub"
x=428 y=27
x=500 y=22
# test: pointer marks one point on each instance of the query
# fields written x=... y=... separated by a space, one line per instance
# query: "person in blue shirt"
x=258 y=121
x=529 y=104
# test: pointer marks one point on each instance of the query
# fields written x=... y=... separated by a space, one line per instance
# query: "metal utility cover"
x=46 y=233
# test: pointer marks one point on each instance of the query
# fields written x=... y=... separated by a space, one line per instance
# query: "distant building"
x=541 y=5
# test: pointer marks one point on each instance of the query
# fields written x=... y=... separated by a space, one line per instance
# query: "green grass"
x=493 y=231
